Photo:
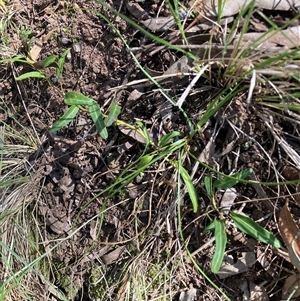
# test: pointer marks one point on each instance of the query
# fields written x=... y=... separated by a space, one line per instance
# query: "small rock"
x=76 y=48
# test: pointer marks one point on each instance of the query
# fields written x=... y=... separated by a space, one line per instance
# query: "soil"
x=70 y=169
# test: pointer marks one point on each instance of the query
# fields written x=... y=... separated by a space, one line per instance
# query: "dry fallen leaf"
x=289 y=286
x=228 y=199
x=253 y=292
x=290 y=234
x=132 y=133
x=189 y=295
x=243 y=263
x=288 y=38
x=137 y=11
x=113 y=256
x=232 y=7
x=34 y=52
x=134 y=95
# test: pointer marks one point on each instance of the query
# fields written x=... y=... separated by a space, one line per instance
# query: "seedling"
x=39 y=66
x=76 y=101
x=242 y=222
x=26 y=38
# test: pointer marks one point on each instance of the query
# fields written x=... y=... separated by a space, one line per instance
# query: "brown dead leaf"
x=232 y=7
x=253 y=292
x=188 y=295
x=159 y=24
x=34 y=53
x=134 y=95
x=288 y=38
x=243 y=263
x=228 y=199
x=291 y=173
x=257 y=293
x=290 y=234
x=132 y=133
x=93 y=230
x=258 y=26
x=113 y=256
x=136 y=10
x=289 y=286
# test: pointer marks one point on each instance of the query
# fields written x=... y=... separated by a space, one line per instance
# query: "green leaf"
x=114 y=112
x=11 y=182
x=19 y=59
x=61 y=62
x=96 y=115
x=221 y=240
x=78 y=99
x=210 y=227
x=145 y=132
x=250 y=227
x=167 y=138
x=47 y=62
x=230 y=181
x=65 y=119
x=144 y=161
x=32 y=74
x=189 y=185
x=208 y=186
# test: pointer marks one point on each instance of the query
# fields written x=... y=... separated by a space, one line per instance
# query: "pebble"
x=76 y=48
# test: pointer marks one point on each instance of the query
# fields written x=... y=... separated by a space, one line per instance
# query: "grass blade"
x=78 y=99
x=114 y=112
x=12 y=182
x=65 y=119
x=96 y=115
x=250 y=227
x=144 y=31
x=221 y=240
x=189 y=185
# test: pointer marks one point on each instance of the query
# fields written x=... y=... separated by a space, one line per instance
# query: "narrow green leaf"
x=167 y=138
x=11 y=182
x=61 y=62
x=47 y=62
x=19 y=59
x=230 y=181
x=208 y=186
x=78 y=99
x=221 y=5
x=210 y=227
x=32 y=74
x=189 y=185
x=250 y=227
x=145 y=132
x=144 y=161
x=114 y=112
x=96 y=115
x=221 y=240
x=65 y=119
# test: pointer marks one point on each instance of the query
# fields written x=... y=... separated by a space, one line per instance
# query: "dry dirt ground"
x=136 y=226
